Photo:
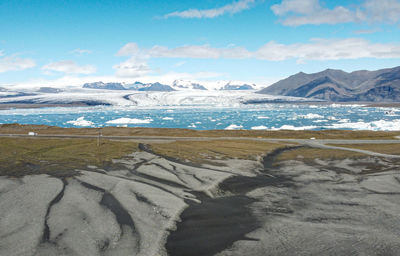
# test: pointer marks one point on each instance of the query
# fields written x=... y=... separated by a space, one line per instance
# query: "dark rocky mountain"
x=339 y=86
x=137 y=86
x=156 y=87
x=104 y=86
x=180 y=84
x=230 y=86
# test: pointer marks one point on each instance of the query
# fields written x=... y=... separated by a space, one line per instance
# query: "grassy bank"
x=54 y=156
x=123 y=131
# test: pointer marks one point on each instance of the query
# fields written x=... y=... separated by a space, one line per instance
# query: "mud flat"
x=288 y=198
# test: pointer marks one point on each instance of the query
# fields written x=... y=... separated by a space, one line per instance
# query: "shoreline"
x=24 y=130
x=8 y=106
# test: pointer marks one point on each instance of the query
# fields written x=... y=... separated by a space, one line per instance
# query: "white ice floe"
x=310 y=116
x=262 y=117
x=167 y=118
x=234 y=127
x=295 y=128
x=380 y=125
x=125 y=120
x=261 y=127
x=80 y=122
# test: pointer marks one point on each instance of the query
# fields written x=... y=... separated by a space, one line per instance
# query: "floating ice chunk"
x=380 y=125
x=262 y=117
x=167 y=118
x=80 y=122
x=310 y=116
x=261 y=127
x=234 y=127
x=294 y=128
x=125 y=120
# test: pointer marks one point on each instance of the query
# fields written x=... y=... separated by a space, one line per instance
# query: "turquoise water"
x=268 y=116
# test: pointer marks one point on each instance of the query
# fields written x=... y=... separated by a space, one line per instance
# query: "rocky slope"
x=340 y=86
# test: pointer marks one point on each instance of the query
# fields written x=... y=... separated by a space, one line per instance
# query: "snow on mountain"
x=187 y=85
x=106 y=86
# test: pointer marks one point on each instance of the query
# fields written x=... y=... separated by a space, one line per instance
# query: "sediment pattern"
x=148 y=204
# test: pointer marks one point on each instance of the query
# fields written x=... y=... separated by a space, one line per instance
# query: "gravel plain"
x=147 y=204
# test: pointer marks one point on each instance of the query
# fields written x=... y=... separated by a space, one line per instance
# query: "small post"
x=98 y=139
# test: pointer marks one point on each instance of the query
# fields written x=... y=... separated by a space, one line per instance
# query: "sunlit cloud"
x=231 y=8
x=69 y=67
x=315 y=49
x=306 y=12
x=15 y=63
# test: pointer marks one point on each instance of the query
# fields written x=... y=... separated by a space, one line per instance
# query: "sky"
x=70 y=42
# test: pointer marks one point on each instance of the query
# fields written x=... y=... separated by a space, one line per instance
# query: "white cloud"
x=382 y=10
x=316 y=49
x=69 y=67
x=133 y=67
x=231 y=8
x=302 y=12
x=198 y=52
x=128 y=50
x=80 y=52
x=15 y=63
x=328 y=49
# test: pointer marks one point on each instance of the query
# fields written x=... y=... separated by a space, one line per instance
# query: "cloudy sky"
x=74 y=41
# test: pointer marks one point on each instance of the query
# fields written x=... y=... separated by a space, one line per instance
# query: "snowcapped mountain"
x=158 y=87
x=177 y=85
x=187 y=85
x=104 y=86
x=233 y=86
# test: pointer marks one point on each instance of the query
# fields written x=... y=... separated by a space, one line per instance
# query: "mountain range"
x=177 y=85
x=339 y=86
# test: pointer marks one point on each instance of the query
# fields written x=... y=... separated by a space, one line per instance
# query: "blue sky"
x=70 y=42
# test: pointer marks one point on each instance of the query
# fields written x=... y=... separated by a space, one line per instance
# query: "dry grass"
x=391 y=149
x=310 y=154
x=21 y=155
x=122 y=131
x=206 y=151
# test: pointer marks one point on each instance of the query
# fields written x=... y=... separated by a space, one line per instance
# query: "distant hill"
x=339 y=86
x=138 y=86
x=49 y=90
x=187 y=85
x=230 y=86
x=104 y=86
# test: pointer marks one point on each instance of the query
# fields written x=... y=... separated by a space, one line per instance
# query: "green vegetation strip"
x=20 y=156
x=208 y=151
x=390 y=149
x=126 y=131
x=310 y=154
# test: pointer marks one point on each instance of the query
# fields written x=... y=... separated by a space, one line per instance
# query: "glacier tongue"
x=184 y=97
